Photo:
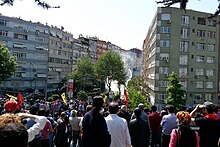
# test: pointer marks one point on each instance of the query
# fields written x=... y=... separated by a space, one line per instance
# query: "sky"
x=122 y=22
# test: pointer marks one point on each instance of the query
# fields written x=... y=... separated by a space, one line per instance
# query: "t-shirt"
x=45 y=131
x=209 y=131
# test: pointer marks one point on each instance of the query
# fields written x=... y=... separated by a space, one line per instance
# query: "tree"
x=136 y=83
x=110 y=67
x=7 y=63
x=135 y=98
x=183 y=4
x=175 y=92
x=84 y=75
x=39 y=2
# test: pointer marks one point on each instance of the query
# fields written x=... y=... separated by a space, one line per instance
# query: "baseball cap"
x=10 y=106
x=207 y=105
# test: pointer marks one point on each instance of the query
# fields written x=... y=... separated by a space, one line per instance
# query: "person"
x=46 y=130
x=36 y=142
x=14 y=133
x=61 y=134
x=143 y=116
x=184 y=136
x=139 y=130
x=155 y=120
x=74 y=123
x=95 y=131
x=168 y=123
x=117 y=127
x=209 y=125
x=123 y=112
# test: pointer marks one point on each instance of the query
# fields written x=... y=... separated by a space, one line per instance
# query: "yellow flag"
x=11 y=96
x=63 y=97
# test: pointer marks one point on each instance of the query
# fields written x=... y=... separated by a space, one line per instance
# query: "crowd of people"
x=106 y=124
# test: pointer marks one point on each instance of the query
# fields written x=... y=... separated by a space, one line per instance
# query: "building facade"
x=187 y=44
x=28 y=43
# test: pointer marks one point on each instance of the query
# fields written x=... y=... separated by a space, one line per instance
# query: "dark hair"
x=154 y=108
x=33 y=110
x=171 y=108
x=88 y=108
x=97 y=102
x=113 y=108
x=13 y=134
x=210 y=110
x=41 y=112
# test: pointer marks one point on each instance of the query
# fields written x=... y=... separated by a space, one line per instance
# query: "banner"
x=126 y=97
x=64 y=98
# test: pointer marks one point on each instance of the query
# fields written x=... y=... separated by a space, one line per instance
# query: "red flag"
x=20 y=100
x=126 y=97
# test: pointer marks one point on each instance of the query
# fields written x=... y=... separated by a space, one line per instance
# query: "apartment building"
x=60 y=56
x=187 y=44
x=29 y=43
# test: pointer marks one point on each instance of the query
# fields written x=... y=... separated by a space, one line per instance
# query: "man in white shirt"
x=117 y=127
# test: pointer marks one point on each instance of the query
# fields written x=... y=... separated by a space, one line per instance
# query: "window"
x=208 y=97
x=3 y=22
x=198 y=96
x=164 y=56
x=211 y=34
x=3 y=33
x=183 y=60
x=184 y=33
x=165 y=16
x=164 y=43
x=200 y=46
x=163 y=70
x=199 y=84
x=212 y=22
x=165 y=30
x=185 y=20
x=182 y=72
x=210 y=85
x=19 y=54
x=201 y=21
x=211 y=47
x=163 y=83
x=199 y=58
x=162 y=96
x=210 y=72
x=210 y=59
x=45 y=40
x=21 y=36
x=201 y=33
x=184 y=46
x=199 y=71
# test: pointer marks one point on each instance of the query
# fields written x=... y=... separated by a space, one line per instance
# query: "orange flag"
x=20 y=100
x=126 y=97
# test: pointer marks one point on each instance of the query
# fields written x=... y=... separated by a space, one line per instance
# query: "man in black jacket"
x=139 y=130
x=95 y=131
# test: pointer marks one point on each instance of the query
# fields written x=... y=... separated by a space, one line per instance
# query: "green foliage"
x=135 y=98
x=175 y=92
x=82 y=95
x=84 y=74
x=136 y=83
x=40 y=3
x=110 y=67
x=55 y=97
x=7 y=63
